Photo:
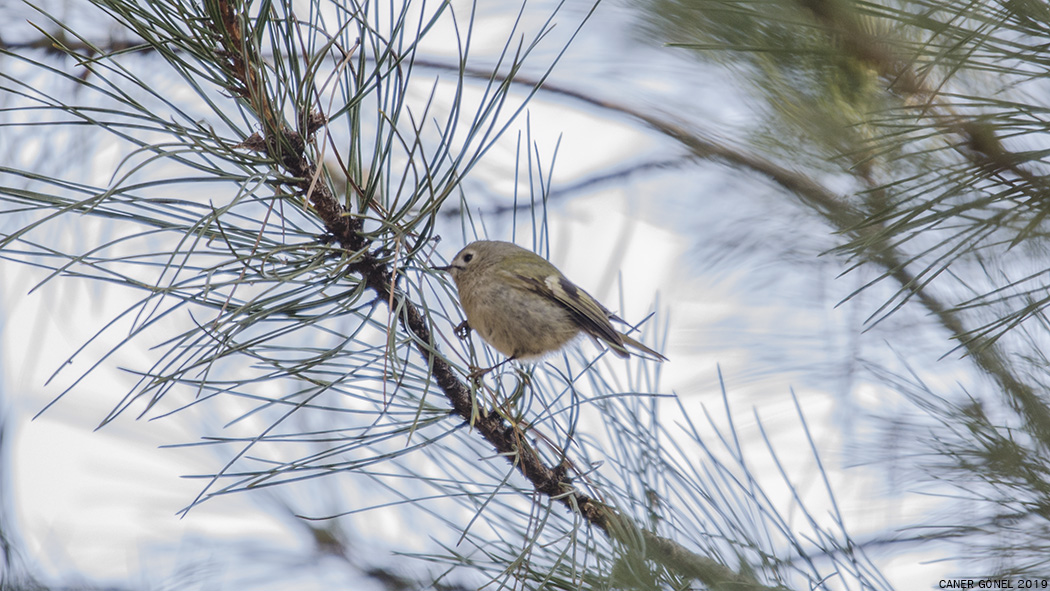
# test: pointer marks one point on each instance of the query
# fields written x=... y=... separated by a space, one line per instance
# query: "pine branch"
x=288 y=148
x=975 y=140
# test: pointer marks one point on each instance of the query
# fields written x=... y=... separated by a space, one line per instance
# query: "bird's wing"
x=592 y=316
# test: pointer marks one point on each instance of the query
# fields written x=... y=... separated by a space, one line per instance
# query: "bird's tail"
x=623 y=352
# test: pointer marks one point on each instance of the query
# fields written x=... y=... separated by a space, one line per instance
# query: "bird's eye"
x=468 y=257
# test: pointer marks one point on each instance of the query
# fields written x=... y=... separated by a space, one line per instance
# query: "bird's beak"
x=446 y=268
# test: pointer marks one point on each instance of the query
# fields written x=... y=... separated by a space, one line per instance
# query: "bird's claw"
x=463 y=331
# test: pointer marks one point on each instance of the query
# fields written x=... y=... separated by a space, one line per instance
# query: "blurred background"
x=829 y=215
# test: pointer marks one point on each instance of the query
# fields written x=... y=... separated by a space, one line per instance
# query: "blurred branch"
x=976 y=140
x=59 y=44
x=616 y=177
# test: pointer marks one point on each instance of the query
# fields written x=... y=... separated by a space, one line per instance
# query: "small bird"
x=525 y=308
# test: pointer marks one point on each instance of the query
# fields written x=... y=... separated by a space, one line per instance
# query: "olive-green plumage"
x=524 y=307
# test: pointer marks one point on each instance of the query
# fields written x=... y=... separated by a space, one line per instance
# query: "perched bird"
x=525 y=308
